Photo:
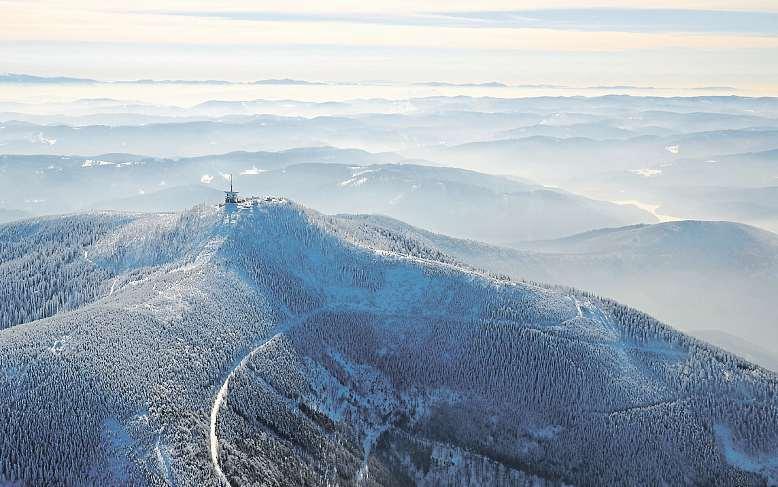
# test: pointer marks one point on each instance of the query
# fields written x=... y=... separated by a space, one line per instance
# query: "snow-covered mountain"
x=269 y=344
x=698 y=276
x=748 y=170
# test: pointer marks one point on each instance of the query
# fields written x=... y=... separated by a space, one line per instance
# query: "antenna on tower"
x=230 y=196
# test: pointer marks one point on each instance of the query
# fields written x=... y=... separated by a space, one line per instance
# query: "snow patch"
x=355 y=181
x=116 y=437
x=548 y=432
x=130 y=163
x=766 y=465
x=96 y=162
x=41 y=139
x=396 y=199
x=163 y=459
x=252 y=172
x=357 y=176
x=647 y=173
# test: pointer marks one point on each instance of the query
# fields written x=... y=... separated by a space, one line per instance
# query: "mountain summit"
x=264 y=343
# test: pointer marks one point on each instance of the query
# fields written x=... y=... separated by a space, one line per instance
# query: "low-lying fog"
x=538 y=178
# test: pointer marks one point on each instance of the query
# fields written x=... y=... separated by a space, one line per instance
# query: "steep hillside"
x=268 y=344
x=42 y=265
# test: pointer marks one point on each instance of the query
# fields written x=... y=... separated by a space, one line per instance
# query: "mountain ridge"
x=694 y=275
x=357 y=344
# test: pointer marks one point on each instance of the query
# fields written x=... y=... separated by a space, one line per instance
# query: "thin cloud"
x=590 y=19
x=628 y=20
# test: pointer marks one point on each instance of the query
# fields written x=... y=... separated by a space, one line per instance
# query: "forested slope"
x=268 y=344
x=698 y=276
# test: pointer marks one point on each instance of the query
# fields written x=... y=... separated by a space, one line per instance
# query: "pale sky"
x=660 y=42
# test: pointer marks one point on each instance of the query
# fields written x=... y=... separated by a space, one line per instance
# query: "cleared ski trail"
x=224 y=389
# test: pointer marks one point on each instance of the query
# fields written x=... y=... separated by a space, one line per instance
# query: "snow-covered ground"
x=267 y=343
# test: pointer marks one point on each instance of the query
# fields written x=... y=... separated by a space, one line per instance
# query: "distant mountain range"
x=738 y=187
x=27 y=78
x=59 y=183
x=453 y=201
x=487 y=84
x=560 y=160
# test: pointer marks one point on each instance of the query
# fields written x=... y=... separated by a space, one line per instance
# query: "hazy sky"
x=661 y=42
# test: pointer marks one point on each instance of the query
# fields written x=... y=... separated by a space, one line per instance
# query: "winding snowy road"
x=224 y=389
x=214 y=439
x=217 y=403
